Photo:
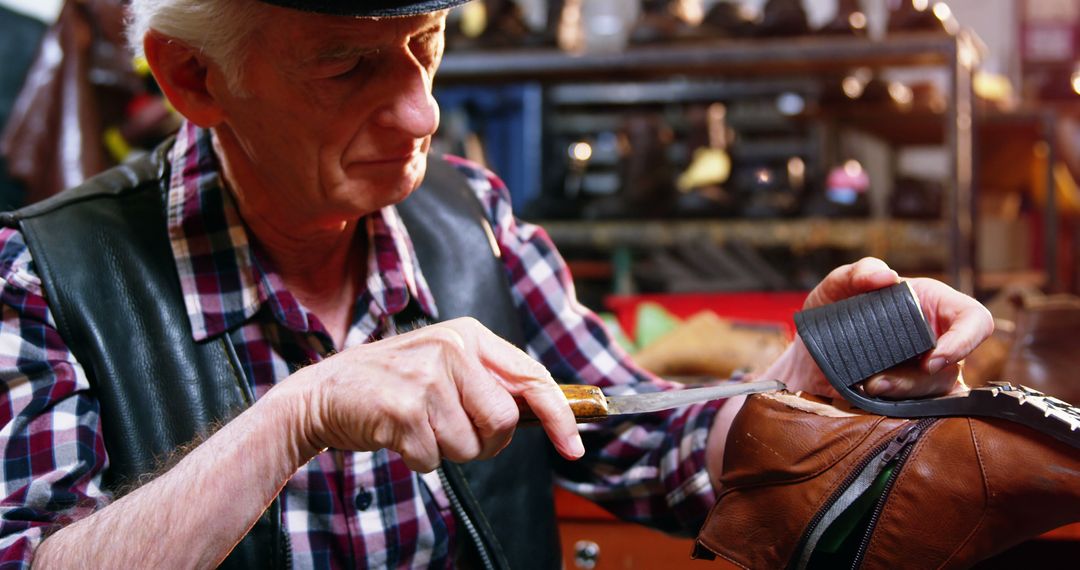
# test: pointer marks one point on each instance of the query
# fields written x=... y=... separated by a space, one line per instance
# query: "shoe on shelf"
x=728 y=19
x=850 y=20
x=667 y=21
x=493 y=24
x=782 y=18
x=921 y=16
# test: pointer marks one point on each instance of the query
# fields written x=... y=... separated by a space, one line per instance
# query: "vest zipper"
x=857 y=481
x=900 y=449
x=466 y=522
x=287 y=547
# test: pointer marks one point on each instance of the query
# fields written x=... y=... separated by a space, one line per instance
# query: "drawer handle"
x=586 y=553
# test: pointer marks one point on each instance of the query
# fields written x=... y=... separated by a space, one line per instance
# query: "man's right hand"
x=443 y=391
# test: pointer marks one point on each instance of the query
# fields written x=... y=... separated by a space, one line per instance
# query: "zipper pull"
x=910 y=434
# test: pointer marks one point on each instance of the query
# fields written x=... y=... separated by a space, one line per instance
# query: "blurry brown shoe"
x=728 y=19
x=920 y=16
x=850 y=20
x=810 y=485
x=783 y=18
x=666 y=21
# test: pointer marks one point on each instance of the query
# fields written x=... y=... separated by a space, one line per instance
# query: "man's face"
x=338 y=115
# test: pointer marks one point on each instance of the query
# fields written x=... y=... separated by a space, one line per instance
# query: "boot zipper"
x=899 y=449
x=858 y=480
x=466 y=522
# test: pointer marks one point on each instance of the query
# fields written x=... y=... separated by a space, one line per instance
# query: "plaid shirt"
x=342 y=509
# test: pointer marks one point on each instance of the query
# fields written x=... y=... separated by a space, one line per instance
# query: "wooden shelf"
x=876 y=237
x=732 y=69
x=994 y=280
x=748 y=57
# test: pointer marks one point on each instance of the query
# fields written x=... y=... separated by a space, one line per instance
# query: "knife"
x=591 y=405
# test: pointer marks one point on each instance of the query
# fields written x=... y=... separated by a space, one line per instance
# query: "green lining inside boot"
x=840 y=543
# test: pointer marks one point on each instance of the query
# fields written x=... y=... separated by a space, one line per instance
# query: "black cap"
x=367 y=8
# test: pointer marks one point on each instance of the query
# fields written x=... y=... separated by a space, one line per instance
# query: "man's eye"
x=347 y=70
x=426 y=48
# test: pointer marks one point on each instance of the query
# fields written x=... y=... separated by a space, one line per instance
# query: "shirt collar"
x=226 y=281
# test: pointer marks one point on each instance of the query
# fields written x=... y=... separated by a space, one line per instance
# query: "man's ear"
x=181 y=71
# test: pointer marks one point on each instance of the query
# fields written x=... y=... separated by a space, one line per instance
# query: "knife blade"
x=589 y=403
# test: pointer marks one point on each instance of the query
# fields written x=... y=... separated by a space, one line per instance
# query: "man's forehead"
x=368 y=8
x=314 y=35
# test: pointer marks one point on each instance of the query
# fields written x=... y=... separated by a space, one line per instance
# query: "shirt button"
x=364 y=500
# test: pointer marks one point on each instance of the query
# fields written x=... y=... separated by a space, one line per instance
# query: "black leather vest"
x=103 y=255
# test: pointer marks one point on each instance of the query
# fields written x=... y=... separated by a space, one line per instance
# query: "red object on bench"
x=762 y=307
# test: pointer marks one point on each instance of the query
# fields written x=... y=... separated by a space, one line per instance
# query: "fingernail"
x=577 y=447
x=878 y=385
x=890 y=274
x=935 y=364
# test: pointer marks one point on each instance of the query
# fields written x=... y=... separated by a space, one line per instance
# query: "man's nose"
x=409 y=106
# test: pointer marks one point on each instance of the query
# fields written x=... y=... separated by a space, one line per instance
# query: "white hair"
x=221 y=29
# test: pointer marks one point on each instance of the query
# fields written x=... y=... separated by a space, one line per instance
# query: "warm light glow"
x=857 y=20
x=942 y=11
x=715 y=116
x=1076 y=81
x=920 y=5
x=901 y=93
x=763 y=176
x=796 y=170
x=852 y=168
x=716 y=112
x=853 y=88
x=580 y=151
x=796 y=167
x=992 y=86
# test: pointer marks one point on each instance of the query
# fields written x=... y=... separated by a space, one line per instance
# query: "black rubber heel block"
x=858 y=337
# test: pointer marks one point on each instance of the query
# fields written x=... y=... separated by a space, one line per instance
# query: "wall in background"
x=44 y=10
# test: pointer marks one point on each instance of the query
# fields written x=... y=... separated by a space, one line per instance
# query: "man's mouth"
x=400 y=156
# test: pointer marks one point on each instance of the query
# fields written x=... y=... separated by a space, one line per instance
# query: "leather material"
x=970 y=487
x=780 y=467
x=452 y=239
x=103 y=255
x=853 y=339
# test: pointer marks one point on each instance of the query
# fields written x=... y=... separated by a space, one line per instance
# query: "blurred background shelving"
x=709 y=167
x=581 y=98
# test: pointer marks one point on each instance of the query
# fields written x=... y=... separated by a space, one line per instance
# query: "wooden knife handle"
x=587 y=402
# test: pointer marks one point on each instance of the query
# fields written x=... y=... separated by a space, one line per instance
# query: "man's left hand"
x=960 y=322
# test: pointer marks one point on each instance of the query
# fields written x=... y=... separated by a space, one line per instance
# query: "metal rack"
x=740 y=63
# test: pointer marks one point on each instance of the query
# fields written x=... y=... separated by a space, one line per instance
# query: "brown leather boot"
x=807 y=484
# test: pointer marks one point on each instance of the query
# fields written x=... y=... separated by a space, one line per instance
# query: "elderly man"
x=263 y=274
